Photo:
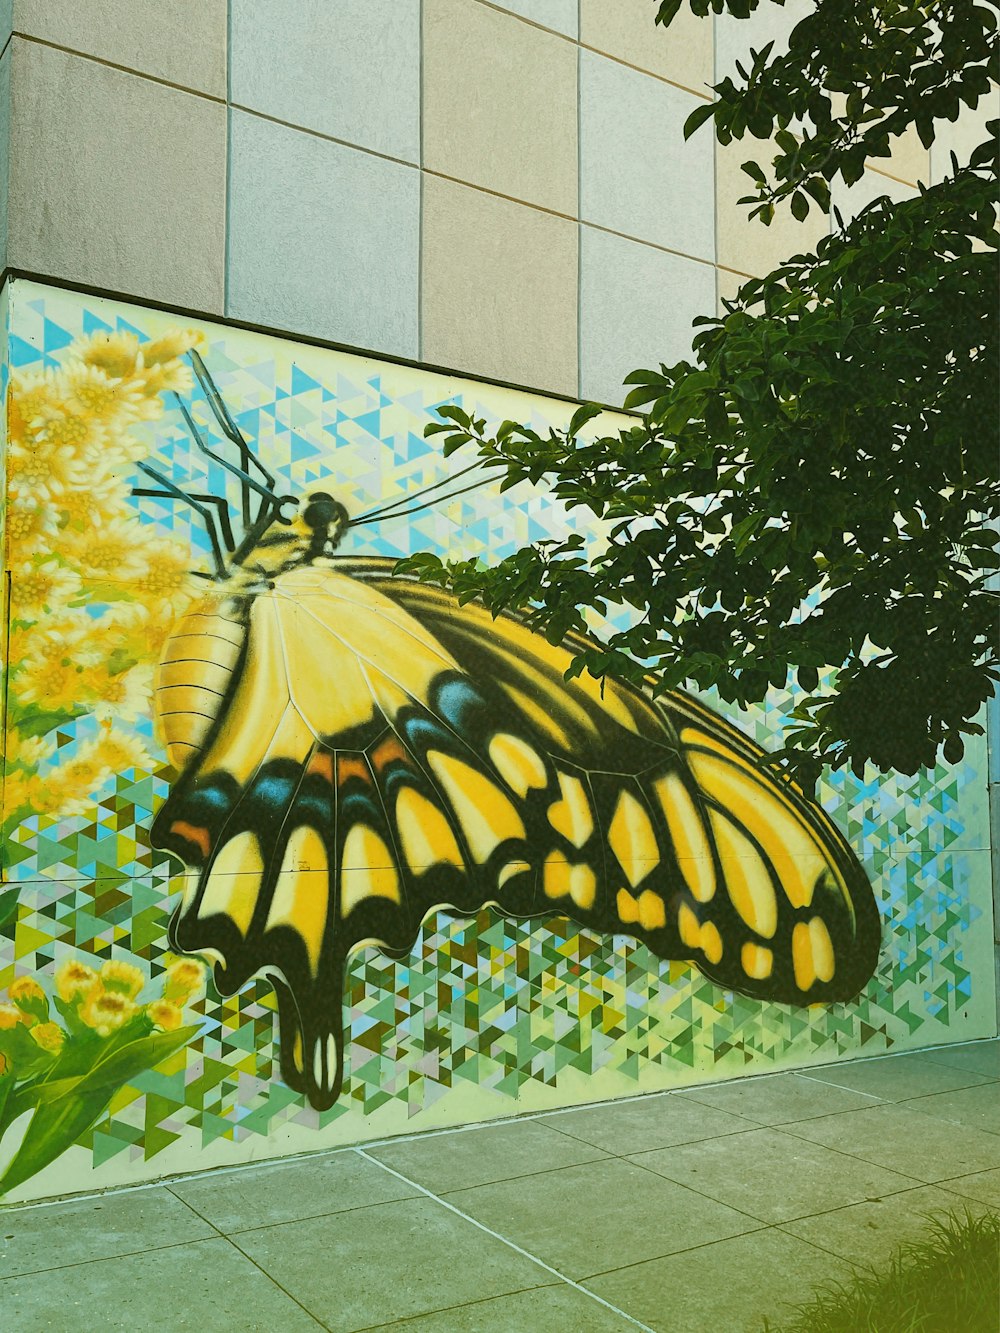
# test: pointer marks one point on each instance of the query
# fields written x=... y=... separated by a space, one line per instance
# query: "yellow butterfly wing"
x=359 y=751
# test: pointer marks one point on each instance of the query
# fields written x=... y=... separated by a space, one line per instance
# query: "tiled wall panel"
x=323 y=239
x=116 y=181
x=636 y=308
x=500 y=104
x=499 y=287
x=637 y=174
x=682 y=53
x=347 y=68
x=245 y=145
x=180 y=41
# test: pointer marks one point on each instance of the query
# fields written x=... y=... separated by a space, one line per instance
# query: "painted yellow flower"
x=31 y=392
x=118 y=751
x=125 y=695
x=164 y=1015
x=60 y=427
x=114 y=353
x=49 y=1036
x=184 y=977
x=83 y=774
x=28 y=751
x=31 y=525
x=40 y=586
x=74 y=979
x=56 y=685
x=168 y=579
x=42 y=472
x=158 y=628
x=29 y=791
x=124 y=978
x=9 y=1017
x=24 y=990
x=102 y=499
x=113 y=548
x=171 y=346
x=106 y=1011
x=90 y=390
x=70 y=637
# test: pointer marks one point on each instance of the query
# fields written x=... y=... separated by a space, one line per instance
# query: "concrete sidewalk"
x=703 y=1209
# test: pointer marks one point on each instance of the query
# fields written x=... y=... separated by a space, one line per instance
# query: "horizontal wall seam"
x=652 y=245
x=597 y=50
x=122 y=69
x=292 y=335
x=320 y=134
x=499 y=194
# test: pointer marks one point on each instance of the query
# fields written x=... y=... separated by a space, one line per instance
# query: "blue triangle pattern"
x=55 y=338
x=301 y=382
x=22 y=353
x=94 y=324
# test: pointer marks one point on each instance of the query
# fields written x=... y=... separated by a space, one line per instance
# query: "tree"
x=816 y=491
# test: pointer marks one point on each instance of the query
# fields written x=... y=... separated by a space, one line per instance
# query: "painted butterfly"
x=356 y=751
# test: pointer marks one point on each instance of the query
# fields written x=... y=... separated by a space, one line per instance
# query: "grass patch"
x=945 y=1281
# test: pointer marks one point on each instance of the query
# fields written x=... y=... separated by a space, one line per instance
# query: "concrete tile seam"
x=648 y=73
x=762 y=1222
x=679 y=254
x=436 y=1198
x=60 y=1200
x=499 y=194
x=125 y=1254
x=825 y=1082
x=531 y=23
x=249 y=1257
x=122 y=69
x=597 y=50
x=319 y=134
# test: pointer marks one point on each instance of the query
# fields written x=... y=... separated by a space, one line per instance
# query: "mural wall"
x=297 y=852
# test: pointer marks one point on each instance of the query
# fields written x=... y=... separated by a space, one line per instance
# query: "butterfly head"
x=326 y=519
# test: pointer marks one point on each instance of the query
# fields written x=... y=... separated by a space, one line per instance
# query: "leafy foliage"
x=948 y=1278
x=817 y=490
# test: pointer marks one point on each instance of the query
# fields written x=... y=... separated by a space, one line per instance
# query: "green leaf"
x=667 y=12
x=582 y=415
x=697 y=118
x=799 y=206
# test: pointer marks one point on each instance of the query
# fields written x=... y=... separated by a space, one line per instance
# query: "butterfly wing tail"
x=312 y=1040
x=773 y=902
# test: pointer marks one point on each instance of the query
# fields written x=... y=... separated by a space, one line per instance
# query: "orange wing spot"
x=387 y=753
x=192 y=833
x=322 y=764
x=349 y=767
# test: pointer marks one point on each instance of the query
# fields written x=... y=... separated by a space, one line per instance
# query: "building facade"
x=251 y=251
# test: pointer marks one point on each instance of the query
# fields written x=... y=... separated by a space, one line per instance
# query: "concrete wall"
x=500 y=189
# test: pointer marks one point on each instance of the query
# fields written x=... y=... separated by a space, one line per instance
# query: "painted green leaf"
x=8 y=904
x=65 y=1108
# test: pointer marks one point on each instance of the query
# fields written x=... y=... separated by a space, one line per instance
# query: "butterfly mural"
x=355 y=751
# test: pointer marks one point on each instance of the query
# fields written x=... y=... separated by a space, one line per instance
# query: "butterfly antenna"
x=271 y=504
x=229 y=428
x=404 y=505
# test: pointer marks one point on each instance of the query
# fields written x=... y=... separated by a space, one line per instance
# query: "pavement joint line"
x=126 y=1254
x=436 y=1198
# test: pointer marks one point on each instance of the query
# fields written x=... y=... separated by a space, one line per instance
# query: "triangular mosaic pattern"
x=526 y=1014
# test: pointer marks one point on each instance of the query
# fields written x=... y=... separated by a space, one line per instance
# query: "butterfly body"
x=357 y=751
